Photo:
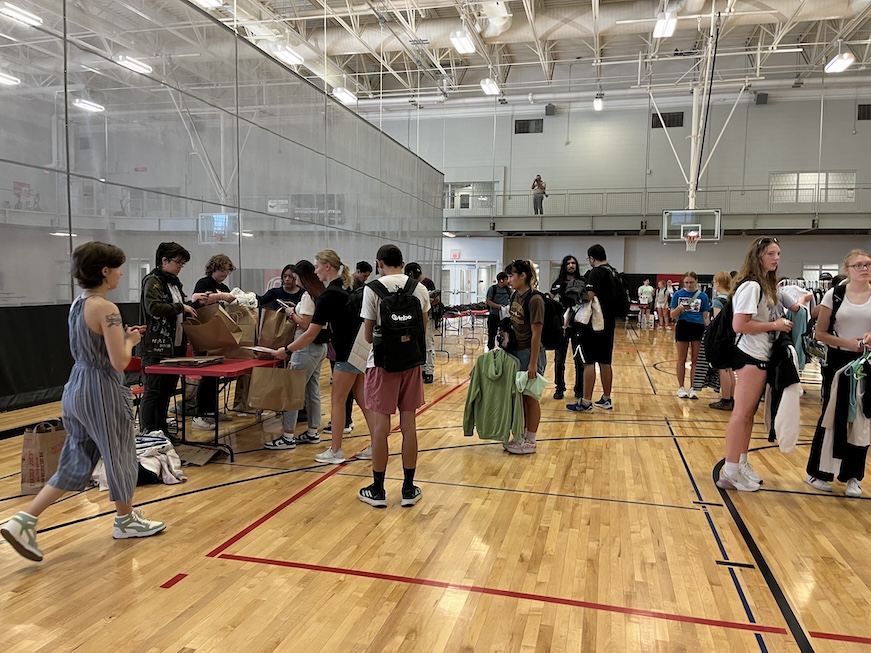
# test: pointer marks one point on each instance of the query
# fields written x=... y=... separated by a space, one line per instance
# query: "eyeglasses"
x=860 y=266
x=762 y=242
x=180 y=264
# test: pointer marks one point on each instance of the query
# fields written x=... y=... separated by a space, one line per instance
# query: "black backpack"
x=399 y=341
x=355 y=301
x=813 y=347
x=622 y=293
x=720 y=342
x=552 y=329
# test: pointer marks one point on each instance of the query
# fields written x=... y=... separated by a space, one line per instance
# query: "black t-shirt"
x=601 y=282
x=332 y=308
x=208 y=284
x=272 y=294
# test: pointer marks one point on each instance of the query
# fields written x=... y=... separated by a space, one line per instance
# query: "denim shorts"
x=345 y=366
x=523 y=357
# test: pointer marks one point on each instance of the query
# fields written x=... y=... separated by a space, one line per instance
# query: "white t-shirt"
x=749 y=300
x=852 y=321
x=372 y=302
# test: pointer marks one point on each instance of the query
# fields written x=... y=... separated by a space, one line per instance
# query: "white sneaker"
x=747 y=470
x=854 y=489
x=523 y=447
x=203 y=423
x=691 y=393
x=331 y=457
x=682 y=393
x=738 y=482
x=135 y=525
x=366 y=454
x=818 y=483
x=20 y=532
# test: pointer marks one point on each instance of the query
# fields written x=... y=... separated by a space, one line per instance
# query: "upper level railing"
x=653 y=201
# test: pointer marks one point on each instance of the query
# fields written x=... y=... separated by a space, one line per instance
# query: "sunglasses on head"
x=762 y=242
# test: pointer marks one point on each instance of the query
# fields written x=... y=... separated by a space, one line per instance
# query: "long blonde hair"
x=751 y=268
x=724 y=280
x=332 y=258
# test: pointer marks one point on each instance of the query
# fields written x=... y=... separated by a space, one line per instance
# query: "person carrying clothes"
x=211 y=289
x=848 y=335
x=96 y=406
x=597 y=347
x=722 y=288
x=163 y=306
x=498 y=295
x=691 y=310
x=569 y=277
x=387 y=391
x=539 y=188
x=307 y=357
x=527 y=318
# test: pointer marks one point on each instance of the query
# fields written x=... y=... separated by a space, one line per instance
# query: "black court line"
x=708 y=503
x=732 y=563
x=646 y=373
x=533 y=492
x=792 y=622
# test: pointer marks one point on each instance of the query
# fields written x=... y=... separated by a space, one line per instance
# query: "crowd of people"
x=333 y=307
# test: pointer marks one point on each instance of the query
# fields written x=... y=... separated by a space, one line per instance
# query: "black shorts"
x=742 y=359
x=597 y=346
x=686 y=331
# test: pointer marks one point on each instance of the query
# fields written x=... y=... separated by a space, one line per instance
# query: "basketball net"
x=691 y=239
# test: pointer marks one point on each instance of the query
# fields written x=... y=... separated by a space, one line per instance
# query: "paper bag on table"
x=40 y=453
x=245 y=319
x=277 y=388
x=212 y=328
x=275 y=329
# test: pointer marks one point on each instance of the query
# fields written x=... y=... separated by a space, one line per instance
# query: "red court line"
x=172 y=581
x=854 y=639
x=667 y=616
x=269 y=515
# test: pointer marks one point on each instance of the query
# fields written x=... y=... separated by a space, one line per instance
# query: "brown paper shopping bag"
x=275 y=329
x=212 y=328
x=277 y=388
x=40 y=452
x=246 y=320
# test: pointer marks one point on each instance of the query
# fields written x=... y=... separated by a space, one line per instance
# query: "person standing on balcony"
x=538 y=194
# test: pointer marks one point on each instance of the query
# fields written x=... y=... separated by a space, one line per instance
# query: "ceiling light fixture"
x=135 y=65
x=489 y=86
x=18 y=14
x=288 y=56
x=449 y=234
x=9 y=80
x=344 y=96
x=210 y=4
x=599 y=101
x=87 y=105
x=841 y=61
x=665 y=25
x=62 y=234
x=463 y=42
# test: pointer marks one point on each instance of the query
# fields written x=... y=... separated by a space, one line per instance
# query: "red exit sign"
x=143 y=169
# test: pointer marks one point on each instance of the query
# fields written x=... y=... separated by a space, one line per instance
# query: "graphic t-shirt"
x=696 y=306
x=522 y=326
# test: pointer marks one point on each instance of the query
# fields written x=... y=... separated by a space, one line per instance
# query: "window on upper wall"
x=864 y=112
x=812 y=271
x=469 y=194
x=671 y=119
x=812 y=187
x=529 y=126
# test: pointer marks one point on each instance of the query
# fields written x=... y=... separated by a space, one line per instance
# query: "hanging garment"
x=493 y=405
x=782 y=395
x=839 y=429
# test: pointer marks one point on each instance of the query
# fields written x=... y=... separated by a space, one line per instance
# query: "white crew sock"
x=529 y=436
x=742 y=459
x=732 y=469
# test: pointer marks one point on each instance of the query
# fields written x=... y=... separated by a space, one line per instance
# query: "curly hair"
x=218 y=263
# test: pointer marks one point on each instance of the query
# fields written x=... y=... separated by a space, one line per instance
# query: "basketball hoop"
x=691 y=238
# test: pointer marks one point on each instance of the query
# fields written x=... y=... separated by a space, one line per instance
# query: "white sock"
x=742 y=459
x=529 y=436
x=732 y=469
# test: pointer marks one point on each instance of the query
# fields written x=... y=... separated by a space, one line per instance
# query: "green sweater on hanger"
x=493 y=404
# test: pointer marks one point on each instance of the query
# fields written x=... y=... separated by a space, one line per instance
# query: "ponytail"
x=330 y=256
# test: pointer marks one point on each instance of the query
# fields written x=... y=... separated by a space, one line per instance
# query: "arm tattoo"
x=113 y=319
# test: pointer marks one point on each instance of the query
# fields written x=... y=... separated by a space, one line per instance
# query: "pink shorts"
x=387 y=391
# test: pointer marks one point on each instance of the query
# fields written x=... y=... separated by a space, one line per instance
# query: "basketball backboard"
x=676 y=223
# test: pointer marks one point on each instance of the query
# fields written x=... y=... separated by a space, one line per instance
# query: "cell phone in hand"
x=285 y=304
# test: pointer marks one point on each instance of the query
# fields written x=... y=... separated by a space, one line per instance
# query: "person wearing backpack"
x=395 y=307
x=844 y=325
x=722 y=288
x=527 y=318
x=568 y=273
x=757 y=319
x=498 y=296
x=691 y=310
x=597 y=347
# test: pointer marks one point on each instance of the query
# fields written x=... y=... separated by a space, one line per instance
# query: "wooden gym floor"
x=613 y=537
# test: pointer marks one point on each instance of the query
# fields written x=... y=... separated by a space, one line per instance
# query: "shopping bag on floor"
x=40 y=452
x=277 y=388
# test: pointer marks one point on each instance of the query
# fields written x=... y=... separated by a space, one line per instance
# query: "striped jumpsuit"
x=97 y=411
